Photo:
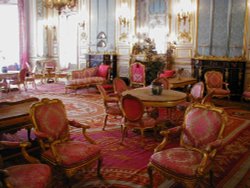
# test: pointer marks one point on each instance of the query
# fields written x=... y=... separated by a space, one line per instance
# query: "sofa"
x=88 y=77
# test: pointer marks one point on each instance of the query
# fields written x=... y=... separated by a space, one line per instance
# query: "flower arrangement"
x=169 y=55
x=179 y=72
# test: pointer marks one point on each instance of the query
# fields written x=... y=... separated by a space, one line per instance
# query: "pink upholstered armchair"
x=34 y=175
x=137 y=75
x=214 y=81
x=52 y=130
x=200 y=136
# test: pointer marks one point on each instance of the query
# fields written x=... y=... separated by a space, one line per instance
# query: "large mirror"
x=152 y=21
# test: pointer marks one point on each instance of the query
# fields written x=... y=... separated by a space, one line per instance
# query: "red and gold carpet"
x=124 y=166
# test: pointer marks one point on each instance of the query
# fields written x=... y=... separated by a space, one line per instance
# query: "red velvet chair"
x=163 y=81
x=200 y=136
x=23 y=79
x=111 y=105
x=168 y=74
x=135 y=116
x=35 y=175
x=137 y=75
x=119 y=86
x=52 y=130
x=214 y=81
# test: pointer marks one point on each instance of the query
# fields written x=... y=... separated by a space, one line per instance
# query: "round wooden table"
x=168 y=98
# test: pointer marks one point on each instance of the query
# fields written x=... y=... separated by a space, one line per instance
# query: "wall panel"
x=221 y=27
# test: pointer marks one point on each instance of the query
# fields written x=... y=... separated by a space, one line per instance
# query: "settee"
x=88 y=77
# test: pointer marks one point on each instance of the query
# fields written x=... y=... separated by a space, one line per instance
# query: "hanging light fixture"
x=59 y=4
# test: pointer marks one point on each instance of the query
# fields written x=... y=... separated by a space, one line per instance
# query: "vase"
x=4 y=69
x=157 y=89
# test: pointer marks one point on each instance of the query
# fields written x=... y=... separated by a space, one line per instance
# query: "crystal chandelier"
x=59 y=4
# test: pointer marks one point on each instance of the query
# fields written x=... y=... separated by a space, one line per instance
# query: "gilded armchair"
x=214 y=81
x=52 y=130
x=111 y=105
x=33 y=175
x=201 y=135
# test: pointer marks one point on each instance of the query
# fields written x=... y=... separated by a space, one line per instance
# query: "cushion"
x=103 y=71
x=73 y=152
x=178 y=160
x=29 y=175
x=168 y=73
x=89 y=72
x=86 y=81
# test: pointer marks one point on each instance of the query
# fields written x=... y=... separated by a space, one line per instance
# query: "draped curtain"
x=23 y=34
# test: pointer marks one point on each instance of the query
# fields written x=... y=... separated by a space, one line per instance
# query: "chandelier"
x=59 y=4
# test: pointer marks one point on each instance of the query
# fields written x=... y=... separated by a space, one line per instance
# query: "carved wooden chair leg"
x=150 y=174
x=105 y=122
x=99 y=164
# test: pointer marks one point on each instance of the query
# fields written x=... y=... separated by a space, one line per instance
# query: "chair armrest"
x=208 y=154
x=172 y=131
x=167 y=134
x=42 y=135
x=226 y=85
x=9 y=144
x=3 y=174
x=112 y=99
x=22 y=145
x=78 y=125
x=84 y=128
x=214 y=145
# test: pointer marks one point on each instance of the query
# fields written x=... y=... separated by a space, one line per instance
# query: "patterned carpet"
x=125 y=165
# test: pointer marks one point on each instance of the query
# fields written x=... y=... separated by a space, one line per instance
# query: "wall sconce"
x=124 y=21
x=124 y=14
x=82 y=24
x=184 y=11
x=183 y=16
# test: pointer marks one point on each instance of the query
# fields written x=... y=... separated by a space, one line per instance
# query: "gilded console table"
x=233 y=70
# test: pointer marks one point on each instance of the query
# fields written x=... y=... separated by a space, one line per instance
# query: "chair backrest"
x=132 y=108
x=50 y=64
x=202 y=125
x=197 y=91
x=49 y=117
x=163 y=80
x=22 y=74
x=119 y=85
x=137 y=73
x=213 y=79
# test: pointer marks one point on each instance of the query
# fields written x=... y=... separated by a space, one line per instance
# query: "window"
x=9 y=35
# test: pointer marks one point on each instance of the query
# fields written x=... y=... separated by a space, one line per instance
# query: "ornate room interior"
x=97 y=93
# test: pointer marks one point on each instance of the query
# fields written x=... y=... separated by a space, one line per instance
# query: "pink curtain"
x=23 y=34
